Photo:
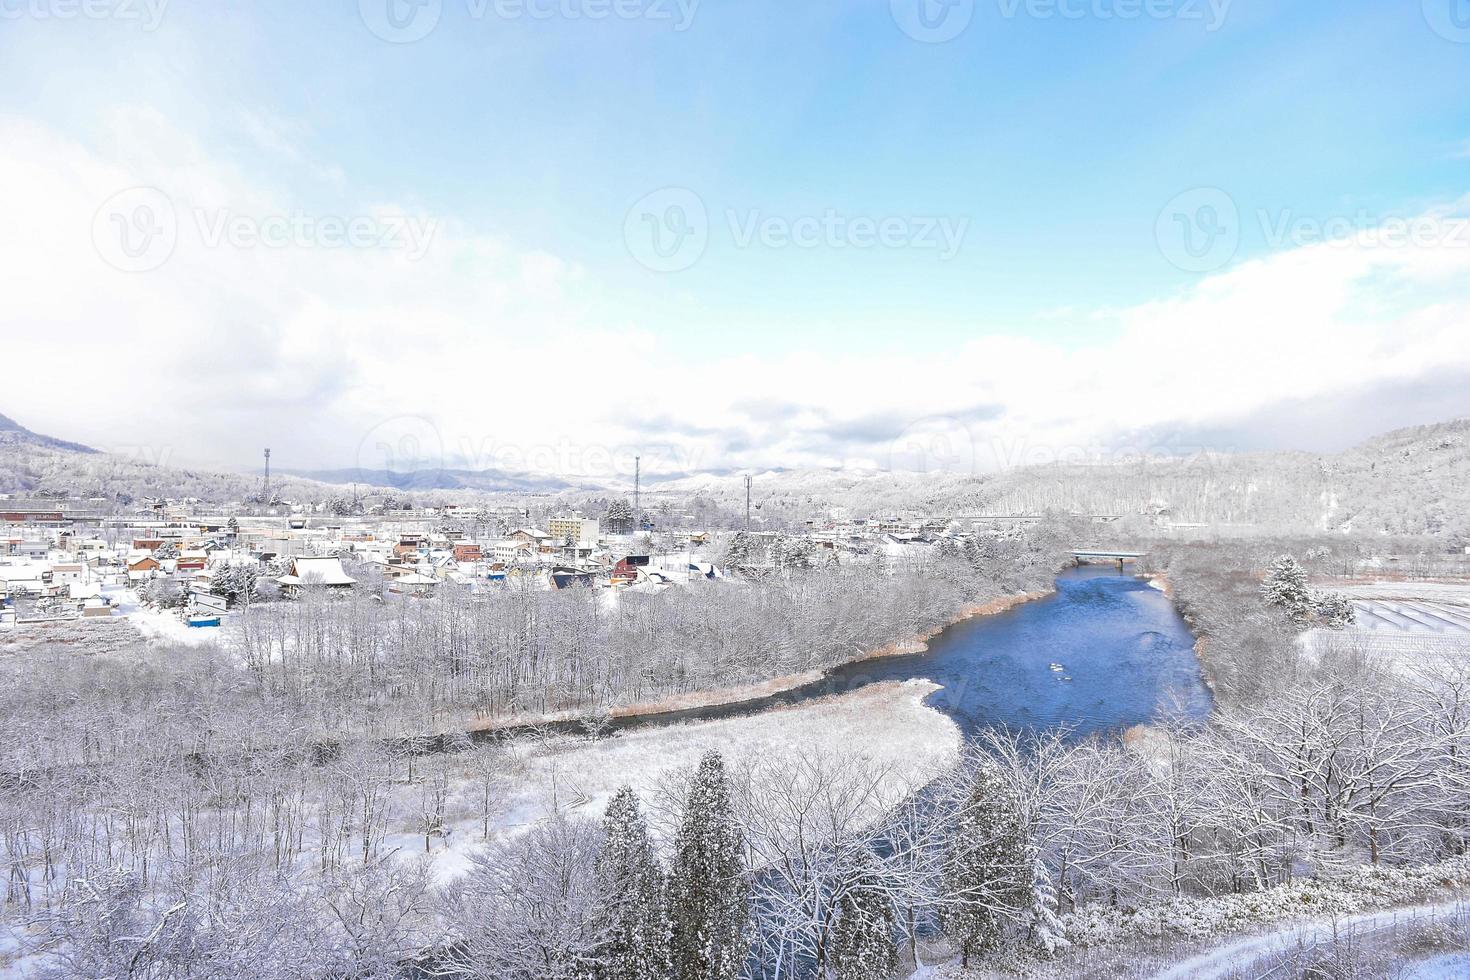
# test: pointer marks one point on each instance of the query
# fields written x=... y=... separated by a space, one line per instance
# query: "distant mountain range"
x=1409 y=481
x=437 y=478
x=12 y=433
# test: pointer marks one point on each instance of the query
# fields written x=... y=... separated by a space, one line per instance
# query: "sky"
x=551 y=235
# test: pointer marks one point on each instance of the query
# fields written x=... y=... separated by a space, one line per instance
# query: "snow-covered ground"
x=154 y=624
x=1451 y=966
x=886 y=723
x=1240 y=957
x=1410 y=624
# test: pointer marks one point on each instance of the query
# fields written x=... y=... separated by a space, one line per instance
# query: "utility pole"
x=747 y=501
x=265 y=490
x=637 y=492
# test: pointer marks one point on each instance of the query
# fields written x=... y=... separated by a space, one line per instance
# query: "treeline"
x=364 y=665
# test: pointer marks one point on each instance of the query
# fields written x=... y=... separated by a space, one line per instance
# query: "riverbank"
x=902 y=741
x=1160 y=581
x=675 y=705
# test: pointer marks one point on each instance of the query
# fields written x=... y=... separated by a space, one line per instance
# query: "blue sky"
x=1056 y=140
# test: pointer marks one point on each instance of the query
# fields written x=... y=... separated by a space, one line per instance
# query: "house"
x=317 y=571
x=628 y=569
x=566 y=578
x=535 y=537
x=68 y=574
x=467 y=552
x=143 y=569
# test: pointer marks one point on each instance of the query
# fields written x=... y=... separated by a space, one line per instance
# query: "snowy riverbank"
x=888 y=724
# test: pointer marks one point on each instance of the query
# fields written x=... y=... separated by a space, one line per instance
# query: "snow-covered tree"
x=1285 y=588
x=862 y=943
x=1043 y=928
x=988 y=874
x=636 y=919
x=1334 y=610
x=708 y=888
x=619 y=518
x=236 y=581
x=738 y=551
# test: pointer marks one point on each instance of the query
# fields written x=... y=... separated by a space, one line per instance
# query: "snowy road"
x=1224 y=960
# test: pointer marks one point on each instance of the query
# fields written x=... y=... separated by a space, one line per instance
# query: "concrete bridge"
x=1102 y=554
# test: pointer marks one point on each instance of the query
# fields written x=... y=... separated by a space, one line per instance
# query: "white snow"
x=887 y=723
x=1451 y=966
x=1237 y=957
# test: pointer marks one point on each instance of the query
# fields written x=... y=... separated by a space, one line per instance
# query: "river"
x=1105 y=652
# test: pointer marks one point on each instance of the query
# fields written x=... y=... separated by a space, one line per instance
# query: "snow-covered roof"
x=318 y=571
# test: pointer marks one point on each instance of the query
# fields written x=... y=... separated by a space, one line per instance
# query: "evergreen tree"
x=862 y=942
x=738 y=552
x=236 y=581
x=635 y=919
x=1285 y=588
x=1043 y=927
x=1334 y=610
x=708 y=890
x=987 y=873
x=619 y=518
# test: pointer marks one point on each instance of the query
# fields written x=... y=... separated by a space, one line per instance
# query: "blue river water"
x=1106 y=652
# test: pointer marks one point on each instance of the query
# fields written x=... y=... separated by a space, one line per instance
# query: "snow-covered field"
x=886 y=723
x=1410 y=624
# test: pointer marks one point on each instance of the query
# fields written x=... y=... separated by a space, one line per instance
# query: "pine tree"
x=987 y=874
x=619 y=518
x=1334 y=610
x=1285 y=588
x=738 y=551
x=862 y=942
x=634 y=917
x=1043 y=927
x=708 y=890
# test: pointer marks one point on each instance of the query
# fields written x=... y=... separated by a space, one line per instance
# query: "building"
x=578 y=530
x=317 y=571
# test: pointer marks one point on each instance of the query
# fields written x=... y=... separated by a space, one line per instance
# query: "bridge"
x=1089 y=554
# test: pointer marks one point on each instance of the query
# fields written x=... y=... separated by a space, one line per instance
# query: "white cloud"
x=513 y=358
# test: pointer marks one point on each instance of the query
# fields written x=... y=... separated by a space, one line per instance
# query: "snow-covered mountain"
x=12 y=433
x=1409 y=481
